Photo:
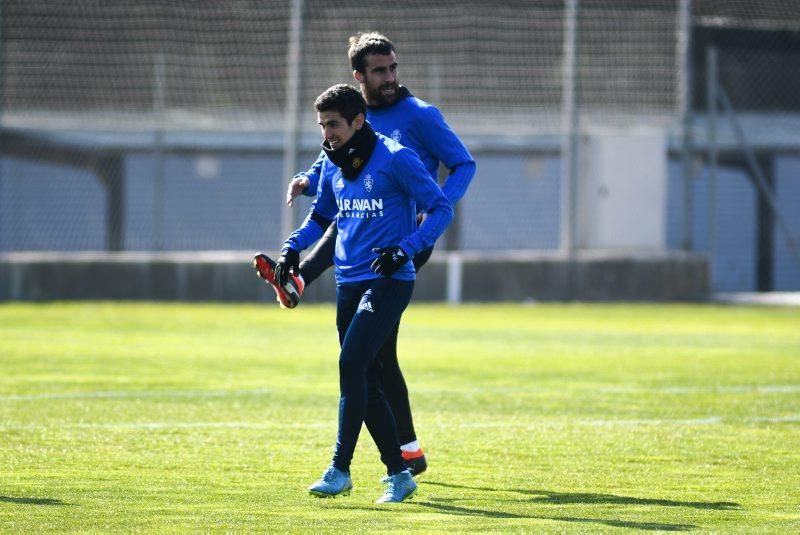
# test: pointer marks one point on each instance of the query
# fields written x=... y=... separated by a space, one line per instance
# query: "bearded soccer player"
x=394 y=112
x=370 y=188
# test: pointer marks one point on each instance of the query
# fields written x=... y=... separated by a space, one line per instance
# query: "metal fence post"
x=712 y=88
x=294 y=90
x=684 y=89
x=569 y=134
x=159 y=108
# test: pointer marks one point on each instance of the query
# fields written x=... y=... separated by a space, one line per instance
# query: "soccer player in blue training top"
x=371 y=187
x=393 y=111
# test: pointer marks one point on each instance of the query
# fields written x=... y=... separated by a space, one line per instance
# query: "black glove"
x=389 y=260
x=290 y=259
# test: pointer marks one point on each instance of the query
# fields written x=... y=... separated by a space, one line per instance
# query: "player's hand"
x=389 y=260
x=296 y=188
x=290 y=259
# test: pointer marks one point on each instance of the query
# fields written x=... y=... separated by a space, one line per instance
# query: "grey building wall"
x=232 y=202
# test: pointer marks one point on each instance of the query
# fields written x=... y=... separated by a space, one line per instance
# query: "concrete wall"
x=513 y=203
x=229 y=276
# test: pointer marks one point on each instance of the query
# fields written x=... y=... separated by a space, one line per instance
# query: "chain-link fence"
x=147 y=125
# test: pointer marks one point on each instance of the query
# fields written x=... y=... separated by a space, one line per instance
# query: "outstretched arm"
x=320 y=215
x=305 y=183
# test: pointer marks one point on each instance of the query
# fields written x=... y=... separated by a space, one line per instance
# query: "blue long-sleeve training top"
x=420 y=126
x=377 y=208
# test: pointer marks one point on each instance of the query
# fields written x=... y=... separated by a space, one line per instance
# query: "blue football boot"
x=333 y=482
x=415 y=462
x=398 y=488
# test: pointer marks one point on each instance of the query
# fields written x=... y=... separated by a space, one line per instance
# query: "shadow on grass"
x=472 y=511
x=645 y=526
x=31 y=501
x=547 y=496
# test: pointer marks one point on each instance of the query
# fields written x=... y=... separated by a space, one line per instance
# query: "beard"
x=375 y=97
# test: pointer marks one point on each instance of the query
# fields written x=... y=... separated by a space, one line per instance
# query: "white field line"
x=791 y=418
x=711 y=420
x=138 y=394
x=659 y=422
x=757 y=389
x=156 y=426
x=135 y=394
x=561 y=423
x=202 y=425
x=686 y=390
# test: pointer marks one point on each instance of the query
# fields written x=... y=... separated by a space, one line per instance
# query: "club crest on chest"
x=368 y=182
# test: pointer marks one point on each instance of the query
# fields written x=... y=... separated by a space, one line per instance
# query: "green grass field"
x=541 y=418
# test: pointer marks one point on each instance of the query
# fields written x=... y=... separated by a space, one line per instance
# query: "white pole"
x=684 y=92
x=159 y=107
x=569 y=122
x=294 y=89
x=455 y=272
x=712 y=96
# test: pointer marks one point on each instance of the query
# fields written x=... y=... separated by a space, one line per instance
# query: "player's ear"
x=359 y=121
x=359 y=76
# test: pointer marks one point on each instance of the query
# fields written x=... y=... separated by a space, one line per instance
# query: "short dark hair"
x=345 y=99
x=364 y=44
